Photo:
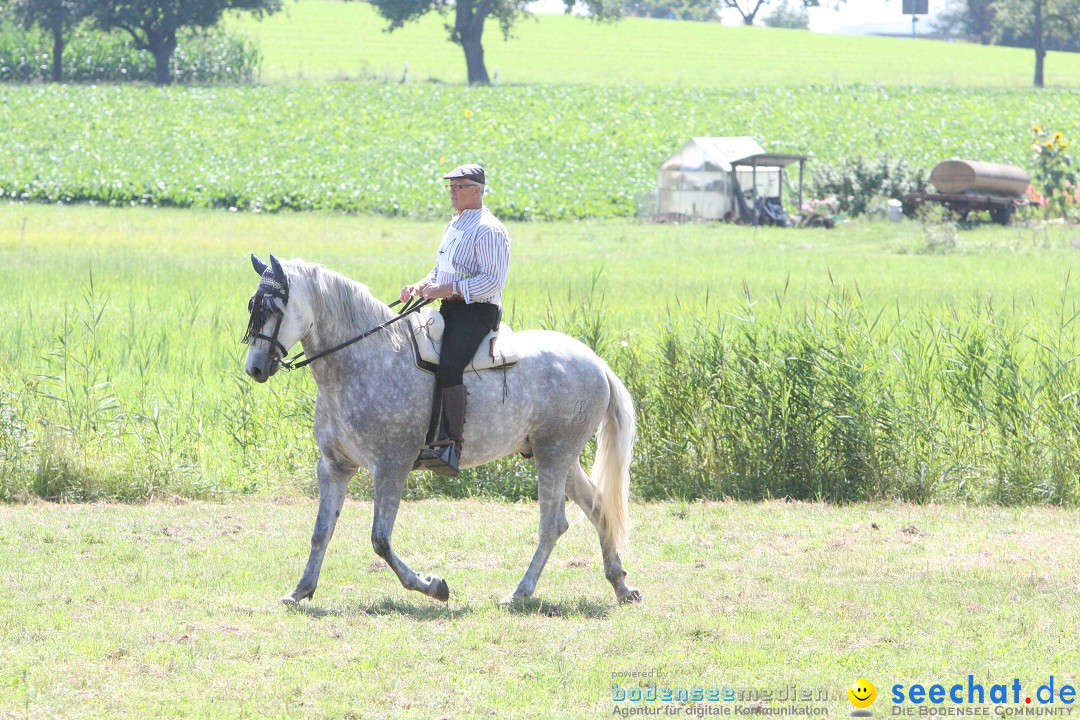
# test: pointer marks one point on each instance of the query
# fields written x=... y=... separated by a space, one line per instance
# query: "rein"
x=411 y=306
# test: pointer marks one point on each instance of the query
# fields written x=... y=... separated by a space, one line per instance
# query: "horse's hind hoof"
x=631 y=596
x=296 y=596
x=442 y=591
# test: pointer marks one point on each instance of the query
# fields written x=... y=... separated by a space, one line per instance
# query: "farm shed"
x=723 y=178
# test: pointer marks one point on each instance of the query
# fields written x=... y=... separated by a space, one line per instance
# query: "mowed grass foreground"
x=170 y=610
x=320 y=40
x=872 y=362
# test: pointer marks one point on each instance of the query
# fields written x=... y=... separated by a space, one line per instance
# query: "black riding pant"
x=466 y=326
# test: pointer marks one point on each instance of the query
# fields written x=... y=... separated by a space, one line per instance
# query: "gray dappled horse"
x=373 y=408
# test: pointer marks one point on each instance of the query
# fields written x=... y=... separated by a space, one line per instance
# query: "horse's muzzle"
x=260 y=374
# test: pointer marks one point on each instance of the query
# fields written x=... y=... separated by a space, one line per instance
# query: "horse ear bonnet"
x=259 y=265
x=274 y=284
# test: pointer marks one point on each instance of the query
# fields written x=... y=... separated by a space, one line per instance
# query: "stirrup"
x=442 y=460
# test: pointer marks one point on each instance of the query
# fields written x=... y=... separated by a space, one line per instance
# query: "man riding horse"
x=469 y=277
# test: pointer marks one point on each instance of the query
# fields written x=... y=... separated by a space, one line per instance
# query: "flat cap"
x=471 y=171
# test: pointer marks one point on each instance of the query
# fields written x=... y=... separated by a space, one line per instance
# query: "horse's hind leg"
x=388 y=489
x=551 y=489
x=582 y=491
x=333 y=486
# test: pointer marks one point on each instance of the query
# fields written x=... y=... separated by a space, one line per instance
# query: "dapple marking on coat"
x=373 y=406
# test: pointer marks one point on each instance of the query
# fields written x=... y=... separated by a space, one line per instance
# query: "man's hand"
x=434 y=292
x=411 y=291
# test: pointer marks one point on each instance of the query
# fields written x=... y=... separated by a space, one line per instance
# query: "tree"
x=152 y=24
x=56 y=17
x=749 y=8
x=469 y=17
x=700 y=10
x=970 y=18
x=1038 y=24
x=786 y=16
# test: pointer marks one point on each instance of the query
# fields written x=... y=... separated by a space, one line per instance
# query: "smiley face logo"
x=862 y=693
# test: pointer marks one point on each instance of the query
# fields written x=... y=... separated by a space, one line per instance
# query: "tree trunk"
x=474 y=61
x=1040 y=46
x=162 y=47
x=748 y=14
x=982 y=19
x=58 y=55
x=470 y=30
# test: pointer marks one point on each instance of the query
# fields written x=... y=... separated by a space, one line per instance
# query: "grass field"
x=170 y=610
x=134 y=252
x=871 y=362
x=317 y=40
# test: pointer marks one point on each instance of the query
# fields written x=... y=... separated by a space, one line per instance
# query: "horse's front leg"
x=388 y=489
x=333 y=486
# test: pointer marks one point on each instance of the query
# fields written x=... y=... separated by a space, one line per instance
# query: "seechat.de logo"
x=862 y=695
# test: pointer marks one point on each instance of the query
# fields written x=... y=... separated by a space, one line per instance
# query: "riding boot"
x=444 y=455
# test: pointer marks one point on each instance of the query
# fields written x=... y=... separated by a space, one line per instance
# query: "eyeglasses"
x=458 y=188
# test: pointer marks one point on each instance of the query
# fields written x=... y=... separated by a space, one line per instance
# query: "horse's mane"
x=341 y=297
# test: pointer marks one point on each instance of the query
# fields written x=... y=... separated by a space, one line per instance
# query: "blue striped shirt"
x=475 y=254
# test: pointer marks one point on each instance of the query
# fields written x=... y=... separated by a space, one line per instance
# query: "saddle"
x=496 y=350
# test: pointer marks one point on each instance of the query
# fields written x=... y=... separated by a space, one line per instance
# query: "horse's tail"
x=611 y=471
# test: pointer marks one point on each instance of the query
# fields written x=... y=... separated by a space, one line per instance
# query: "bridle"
x=262 y=304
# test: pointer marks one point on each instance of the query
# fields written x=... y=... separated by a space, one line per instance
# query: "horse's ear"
x=259 y=265
x=278 y=272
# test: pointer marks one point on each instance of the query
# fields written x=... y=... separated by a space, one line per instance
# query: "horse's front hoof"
x=442 y=591
x=514 y=599
x=630 y=596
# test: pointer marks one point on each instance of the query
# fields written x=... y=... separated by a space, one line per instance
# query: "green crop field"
x=320 y=40
x=553 y=152
x=559 y=145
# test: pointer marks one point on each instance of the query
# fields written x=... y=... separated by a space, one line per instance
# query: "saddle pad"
x=496 y=349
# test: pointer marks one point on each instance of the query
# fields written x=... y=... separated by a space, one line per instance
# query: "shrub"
x=208 y=56
x=786 y=16
x=857 y=184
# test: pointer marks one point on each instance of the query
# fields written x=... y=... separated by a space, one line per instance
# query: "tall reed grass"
x=821 y=399
x=827 y=401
